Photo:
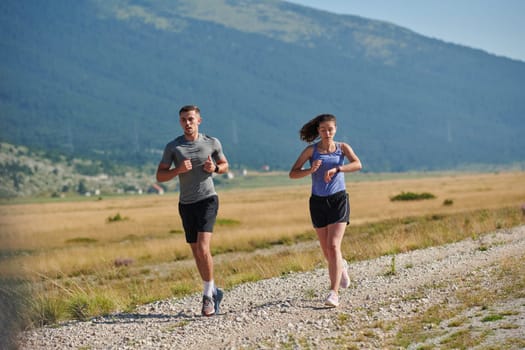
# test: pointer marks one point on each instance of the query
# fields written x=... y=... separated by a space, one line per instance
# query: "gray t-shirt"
x=196 y=184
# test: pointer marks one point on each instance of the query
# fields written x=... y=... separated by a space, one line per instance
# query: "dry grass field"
x=72 y=246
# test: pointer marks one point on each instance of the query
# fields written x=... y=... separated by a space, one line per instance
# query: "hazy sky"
x=496 y=26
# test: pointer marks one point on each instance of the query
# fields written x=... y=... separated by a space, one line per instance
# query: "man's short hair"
x=189 y=108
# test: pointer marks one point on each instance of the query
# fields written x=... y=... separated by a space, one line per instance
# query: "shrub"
x=14 y=301
x=116 y=218
x=411 y=196
x=81 y=306
x=81 y=240
x=448 y=202
x=102 y=305
x=78 y=308
x=47 y=311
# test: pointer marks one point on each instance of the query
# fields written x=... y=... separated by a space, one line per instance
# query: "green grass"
x=392 y=270
x=227 y=222
x=492 y=318
x=505 y=283
x=463 y=339
x=181 y=289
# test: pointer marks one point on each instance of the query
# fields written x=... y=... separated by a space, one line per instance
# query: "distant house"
x=156 y=188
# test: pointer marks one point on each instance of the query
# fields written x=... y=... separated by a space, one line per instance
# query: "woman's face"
x=327 y=129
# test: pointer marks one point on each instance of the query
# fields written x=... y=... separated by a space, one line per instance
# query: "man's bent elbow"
x=162 y=176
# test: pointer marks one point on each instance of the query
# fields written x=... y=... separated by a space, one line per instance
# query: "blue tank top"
x=329 y=161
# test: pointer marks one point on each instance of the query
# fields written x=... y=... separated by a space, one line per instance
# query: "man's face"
x=189 y=121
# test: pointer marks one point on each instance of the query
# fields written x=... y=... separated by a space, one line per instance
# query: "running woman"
x=329 y=202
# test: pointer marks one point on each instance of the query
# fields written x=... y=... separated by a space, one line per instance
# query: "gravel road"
x=288 y=312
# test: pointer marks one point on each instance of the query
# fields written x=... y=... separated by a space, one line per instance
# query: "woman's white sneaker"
x=332 y=299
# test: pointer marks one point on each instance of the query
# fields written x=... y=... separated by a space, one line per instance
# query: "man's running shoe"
x=332 y=299
x=217 y=298
x=208 y=307
x=345 y=279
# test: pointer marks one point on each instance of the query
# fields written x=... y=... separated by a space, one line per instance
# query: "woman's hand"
x=316 y=164
x=330 y=174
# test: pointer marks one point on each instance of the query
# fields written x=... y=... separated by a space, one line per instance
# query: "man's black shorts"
x=199 y=217
x=330 y=210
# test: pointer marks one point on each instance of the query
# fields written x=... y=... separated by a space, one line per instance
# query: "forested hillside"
x=105 y=79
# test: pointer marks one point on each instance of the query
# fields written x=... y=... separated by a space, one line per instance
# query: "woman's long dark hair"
x=309 y=130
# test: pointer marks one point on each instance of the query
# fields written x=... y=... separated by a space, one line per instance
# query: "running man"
x=195 y=157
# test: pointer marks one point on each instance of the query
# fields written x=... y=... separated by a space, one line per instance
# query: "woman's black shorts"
x=330 y=210
x=199 y=217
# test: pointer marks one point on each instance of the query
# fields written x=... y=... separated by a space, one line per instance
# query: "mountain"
x=106 y=78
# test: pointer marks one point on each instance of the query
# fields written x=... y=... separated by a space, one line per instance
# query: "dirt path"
x=288 y=312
